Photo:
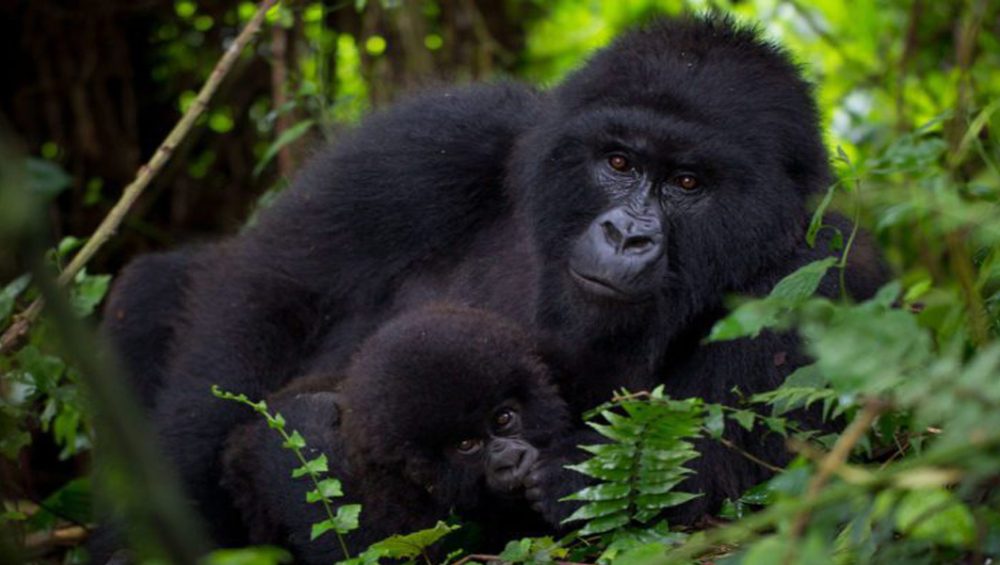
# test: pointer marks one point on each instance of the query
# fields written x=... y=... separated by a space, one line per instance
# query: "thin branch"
x=766 y=520
x=486 y=558
x=834 y=460
x=748 y=455
x=19 y=328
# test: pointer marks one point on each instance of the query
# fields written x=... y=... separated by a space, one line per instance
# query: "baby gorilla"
x=442 y=410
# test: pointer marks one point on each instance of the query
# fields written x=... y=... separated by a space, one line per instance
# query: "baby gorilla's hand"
x=547 y=482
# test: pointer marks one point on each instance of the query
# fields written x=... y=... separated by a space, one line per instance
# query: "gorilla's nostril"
x=638 y=244
x=611 y=233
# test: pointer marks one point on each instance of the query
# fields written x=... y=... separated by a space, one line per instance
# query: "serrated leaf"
x=328 y=489
x=346 y=519
x=802 y=284
x=294 y=441
x=312 y=467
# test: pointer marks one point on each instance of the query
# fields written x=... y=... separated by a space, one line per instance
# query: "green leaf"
x=346 y=519
x=412 y=545
x=744 y=418
x=9 y=293
x=816 y=223
x=276 y=422
x=605 y=491
x=936 y=515
x=598 y=509
x=260 y=555
x=604 y=524
x=802 y=284
x=288 y=136
x=70 y=502
x=516 y=551
x=88 y=291
x=294 y=441
x=715 y=423
x=312 y=467
x=45 y=178
x=328 y=489
x=67 y=245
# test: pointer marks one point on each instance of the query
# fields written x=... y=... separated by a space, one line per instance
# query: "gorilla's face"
x=497 y=451
x=652 y=215
x=671 y=170
x=456 y=400
x=464 y=454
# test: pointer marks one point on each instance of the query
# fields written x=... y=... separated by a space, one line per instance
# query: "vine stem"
x=23 y=321
x=315 y=481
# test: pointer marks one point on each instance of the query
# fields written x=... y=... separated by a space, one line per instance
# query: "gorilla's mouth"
x=605 y=289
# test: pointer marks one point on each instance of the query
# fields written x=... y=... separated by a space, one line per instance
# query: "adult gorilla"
x=670 y=171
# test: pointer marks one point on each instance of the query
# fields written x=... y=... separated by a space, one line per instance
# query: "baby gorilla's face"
x=500 y=450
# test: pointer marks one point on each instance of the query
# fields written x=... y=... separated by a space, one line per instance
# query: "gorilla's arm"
x=409 y=184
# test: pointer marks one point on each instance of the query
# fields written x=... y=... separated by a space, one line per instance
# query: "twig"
x=19 y=328
x=486 y=558
x=767 y=519
x=836 y=459
x=748 y=455
x=71 y=535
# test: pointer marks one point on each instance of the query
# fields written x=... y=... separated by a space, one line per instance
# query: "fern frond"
x=643 y=463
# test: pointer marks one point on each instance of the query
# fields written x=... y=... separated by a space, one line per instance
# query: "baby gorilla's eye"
x=687 y=182
x=504 y=418
x=469 y=446
x=619 y=163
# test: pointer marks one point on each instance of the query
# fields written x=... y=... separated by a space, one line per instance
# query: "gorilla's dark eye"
x=504 y=418
x=687 y=182
x=619 y=163
x=469 y=446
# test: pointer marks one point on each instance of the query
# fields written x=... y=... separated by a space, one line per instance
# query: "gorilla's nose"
x=630 y=234
x=508 y=464
x=617 y=255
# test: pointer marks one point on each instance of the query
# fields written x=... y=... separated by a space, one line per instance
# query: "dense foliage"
x=910 y=95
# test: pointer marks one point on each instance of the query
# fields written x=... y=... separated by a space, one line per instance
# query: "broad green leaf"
x=802 y=284
x=412 y=545
x=936 y=515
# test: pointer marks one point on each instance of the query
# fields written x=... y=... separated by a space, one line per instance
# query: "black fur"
x=417 y=387
x=143 y=313
x=481 y=195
